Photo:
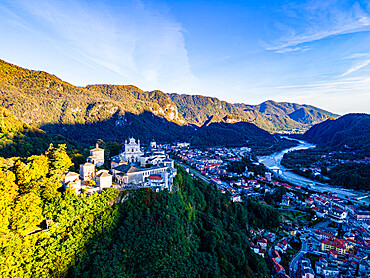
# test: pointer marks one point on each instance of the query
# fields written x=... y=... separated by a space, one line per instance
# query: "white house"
x=87 y=171
x=103 y=179
x=96 y=156
x=72 y=180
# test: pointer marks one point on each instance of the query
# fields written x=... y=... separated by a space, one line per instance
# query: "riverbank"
x=273 y=163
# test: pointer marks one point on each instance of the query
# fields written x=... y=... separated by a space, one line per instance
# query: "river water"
x=273 y=162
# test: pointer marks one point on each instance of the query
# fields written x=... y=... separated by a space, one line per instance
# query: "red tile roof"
x=278 y=267
x=154 y=177
x=336 y=243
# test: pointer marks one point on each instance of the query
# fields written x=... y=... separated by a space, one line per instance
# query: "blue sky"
x=313 y=52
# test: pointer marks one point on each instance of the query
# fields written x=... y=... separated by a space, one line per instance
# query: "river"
x=273 y=162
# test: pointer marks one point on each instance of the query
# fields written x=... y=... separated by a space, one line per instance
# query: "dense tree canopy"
x=193 y=231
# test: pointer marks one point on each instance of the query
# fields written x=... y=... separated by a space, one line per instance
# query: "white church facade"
x=132 y=152
x=134 y=167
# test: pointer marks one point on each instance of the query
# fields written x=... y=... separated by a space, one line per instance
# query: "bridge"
x=362 y=197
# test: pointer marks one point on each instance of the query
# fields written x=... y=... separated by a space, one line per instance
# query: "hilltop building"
x=87 y=171
x=117 y=161
x=152 y=155
x=103 y=179
x=96 y=156
x=132 y=152
x=159 y=176
x=89 y=180
x=72 y=180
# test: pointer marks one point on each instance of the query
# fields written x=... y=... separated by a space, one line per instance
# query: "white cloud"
x=144 y=46
x=292 y=49
x=357 y=67
x=318 y=20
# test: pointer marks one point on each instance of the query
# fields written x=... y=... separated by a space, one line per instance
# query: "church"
x=132 y=152
x=149 y=168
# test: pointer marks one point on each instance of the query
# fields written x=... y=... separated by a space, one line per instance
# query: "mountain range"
x=114 y=112
x=269 y=115
x=46 y=99
x=349 y=132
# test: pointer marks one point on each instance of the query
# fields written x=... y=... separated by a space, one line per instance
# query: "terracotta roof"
x=275 y=254
x=278 y=267
x=155 y=177
x=96 y=149
x=336 y=243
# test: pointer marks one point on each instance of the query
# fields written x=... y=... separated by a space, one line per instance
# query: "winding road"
x=293 y=265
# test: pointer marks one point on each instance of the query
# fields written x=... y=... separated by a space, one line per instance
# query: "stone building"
x=103 y=179
x=96 y=156
x=132 y=152
x=87 y=171
x=72 y=180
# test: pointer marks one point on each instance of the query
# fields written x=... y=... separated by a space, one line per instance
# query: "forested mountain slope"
x=40 y=98
x=269 y=115
x=18 y=138
x=194 y=231
x=113 y=113
x=350 y=132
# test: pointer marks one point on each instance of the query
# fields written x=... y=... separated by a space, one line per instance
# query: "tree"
x=8 y=192
x=27 y=213
x=31 y=176
x=59 y=161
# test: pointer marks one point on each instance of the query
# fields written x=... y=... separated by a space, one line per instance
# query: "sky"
x=309 y=52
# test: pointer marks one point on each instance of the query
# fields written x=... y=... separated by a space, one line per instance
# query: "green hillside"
x=269 y=115
x=197 y=109
x=18 y=138
x=114 y=113
x=350 y=132
x=39 y=98
x=284 y=116
x=193 y=231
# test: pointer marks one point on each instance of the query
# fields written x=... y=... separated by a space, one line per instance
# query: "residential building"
x=103 y=179
x=325 y=269
x=262 y=242
x=87 y=171
x=339 y=245
x=362 y=215
x=96 y=156
x=305 y=270
x=337 y=215
x=72 y=180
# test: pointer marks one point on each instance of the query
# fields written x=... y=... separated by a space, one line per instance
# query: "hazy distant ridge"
x=269 y=115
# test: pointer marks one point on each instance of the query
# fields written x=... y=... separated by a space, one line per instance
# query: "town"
x=320 y=235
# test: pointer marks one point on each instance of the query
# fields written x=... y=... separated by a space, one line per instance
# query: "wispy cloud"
x=318 y=20
x=357 y=67
x=292 y=49
x=145 y=46
x=342 y=95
